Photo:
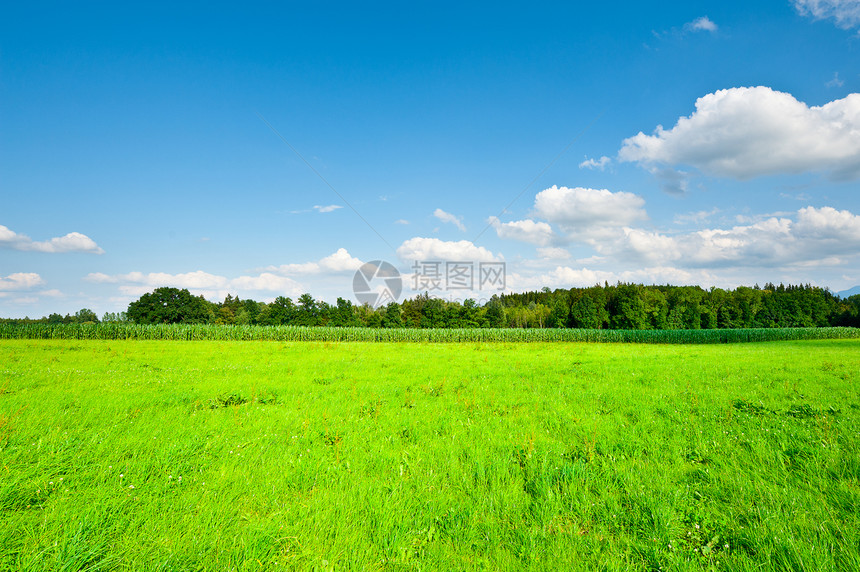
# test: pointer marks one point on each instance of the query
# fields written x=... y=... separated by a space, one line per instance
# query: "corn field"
x=119 y=331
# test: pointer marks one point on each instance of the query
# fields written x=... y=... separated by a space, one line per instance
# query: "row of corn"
x=121 y=331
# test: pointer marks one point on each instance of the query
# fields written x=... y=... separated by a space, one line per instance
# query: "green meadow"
x=263 y=455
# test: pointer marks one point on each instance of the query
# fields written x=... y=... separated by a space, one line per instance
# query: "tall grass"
x=190 y=332
x=270 y=456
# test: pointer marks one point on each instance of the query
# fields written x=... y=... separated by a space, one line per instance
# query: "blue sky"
x=710 y=143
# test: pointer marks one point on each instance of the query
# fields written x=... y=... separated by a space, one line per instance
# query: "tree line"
x=621 y=306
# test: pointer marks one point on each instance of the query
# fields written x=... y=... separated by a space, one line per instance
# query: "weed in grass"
x=227 y=400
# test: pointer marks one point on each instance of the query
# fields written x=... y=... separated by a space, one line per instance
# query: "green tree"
x=115 y=317
x=280 y=312
x=495 y=313
x=307 y=313
x=585 y=314
x=168 y=306
x=86 y=316
x=470 y=314
x=656 y=308
x=432 y=313
x=391 y=317
x=559 y=314
x=626 y=308
x=344 y=314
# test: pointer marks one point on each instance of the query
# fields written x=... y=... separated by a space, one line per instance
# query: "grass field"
x=208 y=455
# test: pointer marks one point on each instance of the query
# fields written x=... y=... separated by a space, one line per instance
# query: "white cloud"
x=340 y=261
x=553 y=253
x=20 y=281
x=702 y=23
x=265 y=281
x=402 y=221
x=798 y=197
x=211 y=286
x=696 y=217
x=560 y=277
x=191 y=280
x=599 y=164
x=811 y=236
x=278 y=280
x=754 y=218
x=421 y=249
x=101 y=278
x=835 y=82
x=749 y=132
x=327 y=209
x=72 y=242
x=583 y=212
x=7 y=236
x=450 y=218
x=567 y=277
x=842 y=228
x=539 y=233
x=643 y=245
x=846 y=13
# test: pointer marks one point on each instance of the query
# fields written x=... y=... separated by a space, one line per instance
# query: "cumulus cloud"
x=340 y=261
x=609 y=224
x=539 y=233
x=845 y=13
x=750 y=132
x=810 y=236
x=700 y=24
x=642 y=245
x=72 y=242
x=599 y=164
x=450 y=218
x=580 y=211
x=20 y=281
x=327 y=208
x=421 y=249
x=841 y=228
